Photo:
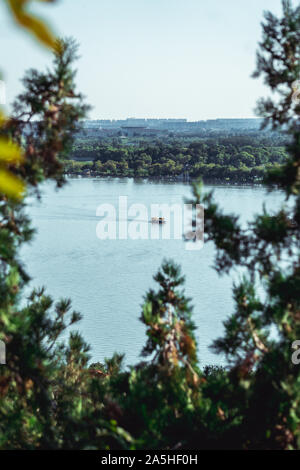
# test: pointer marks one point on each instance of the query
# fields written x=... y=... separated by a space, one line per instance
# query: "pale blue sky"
x=151 y=58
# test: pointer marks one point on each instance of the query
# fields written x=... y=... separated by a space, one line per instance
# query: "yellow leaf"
x=10 y=152
x=11 y=185
x=36 y=26
x=2 y=118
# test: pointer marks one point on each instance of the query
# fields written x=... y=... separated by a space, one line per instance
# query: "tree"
x=260 y=333
x=10 y=153
x=43 y=382
x=167 y=315
x=159 y=397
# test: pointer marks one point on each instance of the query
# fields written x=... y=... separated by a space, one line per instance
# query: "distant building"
x=132 y=127
x=131 y=131
x=87 y=132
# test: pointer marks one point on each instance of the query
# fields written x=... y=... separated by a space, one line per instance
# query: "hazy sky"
x=151 y=58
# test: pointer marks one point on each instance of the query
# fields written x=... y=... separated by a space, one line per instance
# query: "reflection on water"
x=107 y=279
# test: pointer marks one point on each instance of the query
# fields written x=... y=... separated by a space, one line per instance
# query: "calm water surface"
x=107 y=279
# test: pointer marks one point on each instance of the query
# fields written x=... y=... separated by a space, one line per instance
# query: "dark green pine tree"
x=44 y=399
x=260 y=333
x=169 y=327
x=159 y=396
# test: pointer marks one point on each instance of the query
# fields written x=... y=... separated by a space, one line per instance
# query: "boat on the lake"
x=158 y=220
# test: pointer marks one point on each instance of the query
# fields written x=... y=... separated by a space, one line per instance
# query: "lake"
x=107 y=279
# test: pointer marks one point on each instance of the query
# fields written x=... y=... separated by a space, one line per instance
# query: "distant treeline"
x=233 y=159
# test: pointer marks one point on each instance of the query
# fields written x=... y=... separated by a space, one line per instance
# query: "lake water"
x=107 y=279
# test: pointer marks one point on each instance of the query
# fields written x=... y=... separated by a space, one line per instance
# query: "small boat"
x=158 y=220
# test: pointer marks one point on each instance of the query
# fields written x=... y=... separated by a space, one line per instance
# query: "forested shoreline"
x=235 y=159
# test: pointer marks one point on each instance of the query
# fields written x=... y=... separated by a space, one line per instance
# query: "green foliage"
x=167 y=316
x=52 y=399
x=45 y=116
x=259 y=334
x=41 y=384
x=228 y=160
